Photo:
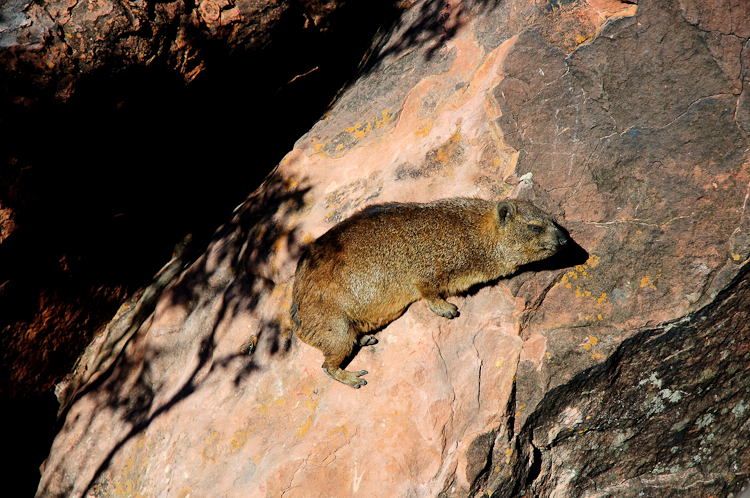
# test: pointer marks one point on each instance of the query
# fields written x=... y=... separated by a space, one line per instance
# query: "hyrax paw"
x=367 y=340
x=357 y=382
x=444 y=309
x=349 y=378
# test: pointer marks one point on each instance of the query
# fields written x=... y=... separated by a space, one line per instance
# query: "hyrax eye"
x=535 y=228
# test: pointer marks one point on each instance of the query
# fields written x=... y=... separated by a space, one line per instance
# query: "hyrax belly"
x=364 y=272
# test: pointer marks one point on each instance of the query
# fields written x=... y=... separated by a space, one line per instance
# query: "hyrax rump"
x=364 y=272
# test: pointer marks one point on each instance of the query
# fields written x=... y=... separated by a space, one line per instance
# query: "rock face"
x=46 y=48
x=619 y=368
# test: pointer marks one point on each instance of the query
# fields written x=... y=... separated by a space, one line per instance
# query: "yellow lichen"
x=361 y=130
x=422 y=132
x=238 y=441
x=336 y=430
x=591 y=343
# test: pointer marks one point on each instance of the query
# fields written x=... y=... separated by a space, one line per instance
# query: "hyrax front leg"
x=338 y=344
x=436 y=302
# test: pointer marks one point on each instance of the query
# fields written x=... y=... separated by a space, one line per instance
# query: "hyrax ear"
x=505 y=210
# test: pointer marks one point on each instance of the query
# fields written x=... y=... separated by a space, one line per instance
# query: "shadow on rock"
x=227 y=280
x=572 y=254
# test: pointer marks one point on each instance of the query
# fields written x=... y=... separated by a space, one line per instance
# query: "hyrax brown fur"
x=364 y=272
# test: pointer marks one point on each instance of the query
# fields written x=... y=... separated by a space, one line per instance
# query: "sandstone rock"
x=45 y=49
x=616 y=369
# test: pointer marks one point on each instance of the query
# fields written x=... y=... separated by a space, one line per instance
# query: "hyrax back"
x=364 y=272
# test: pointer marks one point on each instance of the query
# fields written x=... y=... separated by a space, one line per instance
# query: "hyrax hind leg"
x=436 y=302
x=336 y=345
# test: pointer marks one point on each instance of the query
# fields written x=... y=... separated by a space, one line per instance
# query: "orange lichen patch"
x=647 y=281
x=592 y=261
x=580 y=293
x=594 y=317
x=360 y=131
x=211 y=450
x=337 y=430
x=577 y=279
x=239 y=439
x=312 y=404
x=580 y=272
x=134 y=469
x=448 y=154
x=352 y=135
x=520 y=409
x=591 y=343
x=422 y=132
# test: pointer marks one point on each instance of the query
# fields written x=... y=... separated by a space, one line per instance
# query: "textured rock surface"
x=614 y=370
x=665 y=415
x=45 y=48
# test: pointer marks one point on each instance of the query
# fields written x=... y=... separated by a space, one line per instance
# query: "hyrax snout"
x=364 y=272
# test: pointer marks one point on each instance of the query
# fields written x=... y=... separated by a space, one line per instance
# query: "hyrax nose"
x=562 y=239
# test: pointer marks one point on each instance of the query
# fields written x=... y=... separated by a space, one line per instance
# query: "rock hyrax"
x=364 y=272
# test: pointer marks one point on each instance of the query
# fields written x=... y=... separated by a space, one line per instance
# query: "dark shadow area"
x=572 y=254
x=104 y=185
x=29 y=422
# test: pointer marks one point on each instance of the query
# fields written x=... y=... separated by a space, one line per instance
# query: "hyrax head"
x=532 y=233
